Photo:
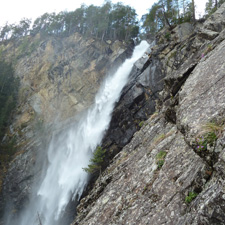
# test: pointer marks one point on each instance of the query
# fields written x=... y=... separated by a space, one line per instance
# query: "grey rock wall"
x=161 y=176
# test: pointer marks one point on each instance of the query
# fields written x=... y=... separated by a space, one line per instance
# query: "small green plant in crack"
x=208 y=136
x=191 y=196
x=145 y=188
x=141 y=124
x=160 y=159
x=201 y=143
x=161 y=155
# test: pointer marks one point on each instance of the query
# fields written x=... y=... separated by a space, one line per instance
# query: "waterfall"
x=65 y=178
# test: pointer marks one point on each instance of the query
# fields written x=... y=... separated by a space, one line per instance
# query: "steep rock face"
x=162 y=176
x=202 y=96
x=137 y=102
x=61 y=77
x=137 y=190
x=58 y=80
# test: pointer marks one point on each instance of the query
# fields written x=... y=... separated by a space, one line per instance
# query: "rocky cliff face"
x=172 y=169
x=58 y=80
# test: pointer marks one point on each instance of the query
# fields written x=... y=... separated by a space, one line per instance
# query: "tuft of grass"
x=160 y=159
x=213 y=127
x=158 y=139
x=161 y=155
x=209 y=134
x=141 y=124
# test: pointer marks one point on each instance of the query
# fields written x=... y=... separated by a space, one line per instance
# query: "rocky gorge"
x=165 y=145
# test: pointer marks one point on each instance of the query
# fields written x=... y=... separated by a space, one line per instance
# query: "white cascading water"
x=65 y=177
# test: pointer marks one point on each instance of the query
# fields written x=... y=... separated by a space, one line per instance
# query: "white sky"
x=13 y=11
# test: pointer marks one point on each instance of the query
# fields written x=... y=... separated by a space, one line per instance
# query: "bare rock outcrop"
x=165 y=175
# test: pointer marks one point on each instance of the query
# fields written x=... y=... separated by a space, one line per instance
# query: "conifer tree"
x=96 y=161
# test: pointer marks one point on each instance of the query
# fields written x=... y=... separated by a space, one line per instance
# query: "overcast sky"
x=13 y=11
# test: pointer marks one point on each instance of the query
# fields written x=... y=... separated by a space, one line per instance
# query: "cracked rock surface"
x=151 y=180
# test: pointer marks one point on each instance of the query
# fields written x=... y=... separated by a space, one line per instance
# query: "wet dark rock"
x=137 y=101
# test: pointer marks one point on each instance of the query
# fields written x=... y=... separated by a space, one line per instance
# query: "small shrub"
x=191 y=195
x=145 y=188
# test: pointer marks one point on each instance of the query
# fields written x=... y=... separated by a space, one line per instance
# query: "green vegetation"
x=8 y=94
x=96 y=161
x=161 y=155
x=168 y=36
x=208 y=136
x=141 y=124
x=26 y=47
x=191 y=195
x=201 y=143
x=110 y=21
x=172 y=12
x=160 y=159
x=160 y=163
x=211 y=6
x=167 y=13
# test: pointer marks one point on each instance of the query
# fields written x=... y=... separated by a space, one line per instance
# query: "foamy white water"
x=68 y=155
